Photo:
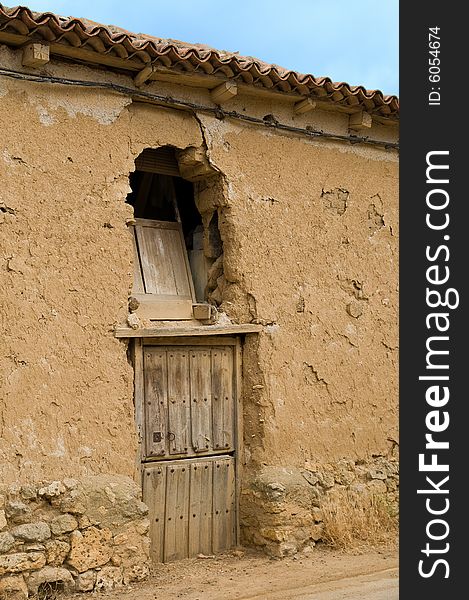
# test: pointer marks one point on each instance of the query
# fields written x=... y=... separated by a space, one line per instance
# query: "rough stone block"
x=110 y=500
x=17 y=511
x=32 y=532
x=13 y=587
x=21 y=561
x=130 y=548
x=84 y=522
x=7 y=541
x=109 y=578
x=54 y=489
x=50 y=575
x=316 y=532
x=56 y=552
x=90 y=549
x=28 y=492
x=63 y=524
x=85 y=581
x=377 y=474
x=377 y=487
x=137 y=572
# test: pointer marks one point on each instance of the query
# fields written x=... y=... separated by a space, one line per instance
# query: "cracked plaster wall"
x=66 y=387
x=309 y=231
x=312 y=256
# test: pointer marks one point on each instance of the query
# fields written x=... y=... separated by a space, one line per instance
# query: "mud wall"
x=66 y=395
x=309 y=230
x=310 y=236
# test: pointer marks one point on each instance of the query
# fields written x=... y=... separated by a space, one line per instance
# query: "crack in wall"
x=312 y=376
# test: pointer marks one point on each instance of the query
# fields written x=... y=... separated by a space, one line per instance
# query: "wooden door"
x=192 y=506
x=188 y=438
x=189 y=401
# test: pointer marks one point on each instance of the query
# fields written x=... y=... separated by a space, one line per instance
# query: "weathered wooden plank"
x=231 y=505
x=178 y=400
x=137 y=286
x=164 y=263
x=156 y=401
x=157 y=224
x=157 y=272
x=223 y=520
x=35 y=55
x=168 y=308
x=196 y=330
x=238 y=433
x=200 y=508
x=154 y=495
x=139 y=396
x=222 y=398
x=177 y=512
x=360 y=119
x=231 y=502
x=174 y=243
x=143 y=75
x=201 y=399
x=160 y=160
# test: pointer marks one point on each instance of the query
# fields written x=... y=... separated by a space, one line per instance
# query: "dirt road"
x=320 y=575
x=383 y=585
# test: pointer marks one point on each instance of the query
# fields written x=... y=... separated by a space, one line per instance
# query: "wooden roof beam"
x=360 y=120
x=224 y=92
x=35 y=55
x=304 y=106
x=143 y=75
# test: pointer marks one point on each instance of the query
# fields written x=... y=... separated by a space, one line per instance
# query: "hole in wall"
x=50 y=590
x=159 y=193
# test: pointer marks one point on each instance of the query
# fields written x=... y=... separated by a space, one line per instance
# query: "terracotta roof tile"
x=182 y=57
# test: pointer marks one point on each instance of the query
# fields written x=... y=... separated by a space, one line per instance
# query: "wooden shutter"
x=158 y=160
x=162 y=278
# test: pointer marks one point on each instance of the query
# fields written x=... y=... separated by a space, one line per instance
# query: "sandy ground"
x=320 y=575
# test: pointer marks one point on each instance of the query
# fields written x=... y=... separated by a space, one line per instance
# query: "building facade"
x=199 y=300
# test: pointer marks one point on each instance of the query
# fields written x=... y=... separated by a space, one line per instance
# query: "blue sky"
x=348 y=41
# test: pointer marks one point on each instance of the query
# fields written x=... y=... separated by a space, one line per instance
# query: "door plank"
x=201 y=399
x=154 y=495
x=178 y=400
x=223 y=504
x=222 y=398
x=139 y=398
x=156 y=401
x=200 y=508
x=177 y=512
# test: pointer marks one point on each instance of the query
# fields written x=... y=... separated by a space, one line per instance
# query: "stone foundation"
x=282 y=508
x=82 y=535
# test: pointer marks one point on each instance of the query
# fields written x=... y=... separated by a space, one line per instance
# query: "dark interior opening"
x=50 y=590
x=165 y=198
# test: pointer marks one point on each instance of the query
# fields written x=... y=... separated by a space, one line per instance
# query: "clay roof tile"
x=103 y=39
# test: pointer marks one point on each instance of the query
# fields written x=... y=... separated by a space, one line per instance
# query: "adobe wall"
x=310 y=251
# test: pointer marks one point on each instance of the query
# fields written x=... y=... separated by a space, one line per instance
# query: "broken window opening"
x=170 y=273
